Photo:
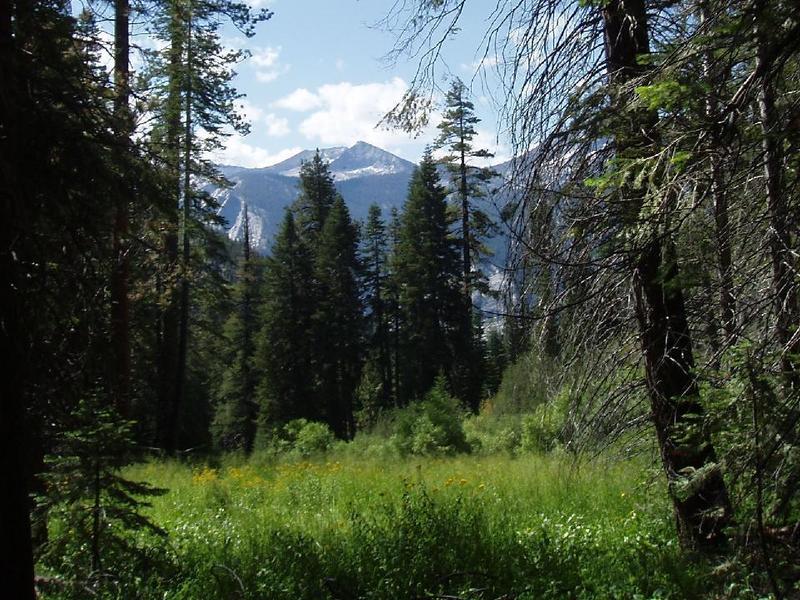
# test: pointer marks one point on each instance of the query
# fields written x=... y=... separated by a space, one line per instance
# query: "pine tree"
x=120 y=304
x=236 y=411
x=95 y=506
x=311 y=343
x=703 y=508
x=195 y=74
x=375 y=261
x=60 y=163
x=284 y=345
x=317 y=194
x=338 y=318
x=427 y=274
x=496 y=361
x=394 y=314
x=457 y=130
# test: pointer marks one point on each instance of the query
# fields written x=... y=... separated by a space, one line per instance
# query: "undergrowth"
x=466 y=527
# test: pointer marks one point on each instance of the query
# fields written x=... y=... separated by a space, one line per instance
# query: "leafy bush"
x=299 y=437
x=311 y=437
x=431 y=427
x=487 y=434
x=525 y=385
x=541 y=429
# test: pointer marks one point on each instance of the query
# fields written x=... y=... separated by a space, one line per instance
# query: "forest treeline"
x=651 y=286
x=132 y=322
x=341 y=322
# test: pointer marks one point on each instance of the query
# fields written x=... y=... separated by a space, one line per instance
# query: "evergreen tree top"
x=287 y=242
x=424 y=219
x=339 y=237
x=375 y=232
x=457 y=128
x=427 y=175
x=317 y=196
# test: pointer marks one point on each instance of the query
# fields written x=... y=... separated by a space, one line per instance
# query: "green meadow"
x=339 y=526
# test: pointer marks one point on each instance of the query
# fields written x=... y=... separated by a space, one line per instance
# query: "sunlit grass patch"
x=335 y=527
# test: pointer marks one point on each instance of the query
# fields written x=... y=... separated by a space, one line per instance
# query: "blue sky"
x=316 y=78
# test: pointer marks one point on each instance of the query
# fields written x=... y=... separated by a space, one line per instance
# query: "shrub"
x=433 y=426
x=299 y=437
x=312 y=438
x=487 y=434
x=541 y=429
x=92 y=509
x=525 y=385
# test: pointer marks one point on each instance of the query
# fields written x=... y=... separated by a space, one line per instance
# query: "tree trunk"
x=183 y=331
x=696 y=486
x=463 y=191
x=727 y=300
x=170 y=319
x=780 y=240
x=16 y=552
x=120 y=309
x=168 y=350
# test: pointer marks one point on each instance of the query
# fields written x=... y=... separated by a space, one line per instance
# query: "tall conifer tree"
x=338 y=318
x=317 y=194
x=283 y=349
x=375 y=256
x=234 y=423
x=456 y=133
x=427 y=273
x=195 y=73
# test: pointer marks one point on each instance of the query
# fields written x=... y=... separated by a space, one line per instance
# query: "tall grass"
x=532 y=527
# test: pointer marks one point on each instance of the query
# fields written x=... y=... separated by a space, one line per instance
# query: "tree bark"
x=722 y=234
x=784 y=267
x=170 y=319
x=120 y=307
x=696 y=487
x=16 y=551
x=183 y=330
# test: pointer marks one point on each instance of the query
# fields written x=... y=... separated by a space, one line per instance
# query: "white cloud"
x=250 y=112
x=266 y=57
x=349 y=112
x=300 y=100
x=266 y=61
x=267 y=76
x=241 y=154
x=276 y=126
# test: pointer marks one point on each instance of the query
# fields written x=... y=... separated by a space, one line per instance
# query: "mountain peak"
x=363 y=144
x=359 y=160
x=363 y=173
x=291 y=166
x=363 y=158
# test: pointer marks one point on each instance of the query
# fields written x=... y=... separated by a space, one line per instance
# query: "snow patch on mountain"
x=365 y=172
x=291 y=166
